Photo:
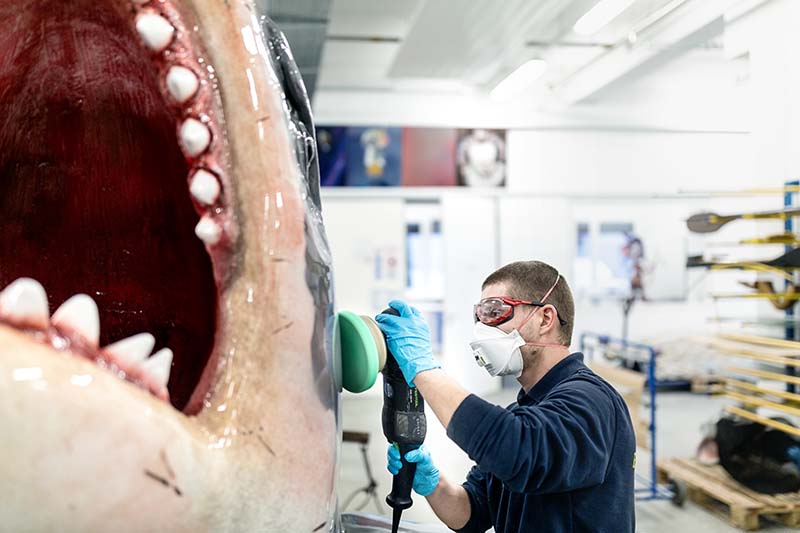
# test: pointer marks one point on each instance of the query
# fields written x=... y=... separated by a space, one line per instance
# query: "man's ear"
x=549 y=319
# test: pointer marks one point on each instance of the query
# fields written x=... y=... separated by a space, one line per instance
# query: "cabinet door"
x=367 y=239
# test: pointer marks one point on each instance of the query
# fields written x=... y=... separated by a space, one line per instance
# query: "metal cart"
x=649 y=489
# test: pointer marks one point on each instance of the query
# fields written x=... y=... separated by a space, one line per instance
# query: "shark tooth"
x=25 y=300
x=182 y=83
x=156 y=31
x=132 y=350
x=159 y=365
x=204 y=187
x=195 y=137
x=79 y=313
x=208 y=231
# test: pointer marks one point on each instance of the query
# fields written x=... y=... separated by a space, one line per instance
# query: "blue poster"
x=373 y=157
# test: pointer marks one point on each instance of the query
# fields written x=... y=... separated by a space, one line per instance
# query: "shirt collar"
x=563 y=369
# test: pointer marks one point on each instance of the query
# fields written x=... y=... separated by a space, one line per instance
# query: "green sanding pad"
x=359 y=352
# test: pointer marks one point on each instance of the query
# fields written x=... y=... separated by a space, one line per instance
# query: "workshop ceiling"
x=453 y=45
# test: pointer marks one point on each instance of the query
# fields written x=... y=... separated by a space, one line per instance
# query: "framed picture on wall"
x=374 y=157
x=429 y=157
x=481 y=158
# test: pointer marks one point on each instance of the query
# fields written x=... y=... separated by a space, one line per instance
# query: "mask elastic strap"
x=547 y=344
x=544 y=299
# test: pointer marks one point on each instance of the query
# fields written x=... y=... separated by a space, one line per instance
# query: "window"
x=603 y=266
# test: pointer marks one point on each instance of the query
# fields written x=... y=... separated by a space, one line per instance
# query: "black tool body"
x=404 y=426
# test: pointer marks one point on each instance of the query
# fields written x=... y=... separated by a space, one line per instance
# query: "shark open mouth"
x=159 y=194
x=113 y=185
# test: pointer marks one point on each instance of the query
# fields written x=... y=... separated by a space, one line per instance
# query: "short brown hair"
x=530 y=280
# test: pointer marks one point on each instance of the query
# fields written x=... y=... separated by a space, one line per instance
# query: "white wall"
x=770 y=38
x=538 y=227
x=603 y=162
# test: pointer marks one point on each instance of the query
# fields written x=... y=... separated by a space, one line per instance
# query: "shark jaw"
x=154 y=160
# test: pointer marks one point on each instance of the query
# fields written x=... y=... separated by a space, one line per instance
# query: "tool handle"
x=786 y=213
x=402 y=483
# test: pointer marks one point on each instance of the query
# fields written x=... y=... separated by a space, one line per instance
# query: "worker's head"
x=544 y=289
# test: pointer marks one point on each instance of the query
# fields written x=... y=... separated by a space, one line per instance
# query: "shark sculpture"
x=159 y=193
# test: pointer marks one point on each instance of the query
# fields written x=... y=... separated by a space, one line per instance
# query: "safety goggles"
x=500 y=309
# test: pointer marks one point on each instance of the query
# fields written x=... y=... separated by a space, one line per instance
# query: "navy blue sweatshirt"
x=561 y=459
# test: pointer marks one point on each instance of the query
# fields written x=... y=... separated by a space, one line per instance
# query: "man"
x=559 y=459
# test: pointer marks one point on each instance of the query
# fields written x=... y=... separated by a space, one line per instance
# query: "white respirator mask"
x=498 y=352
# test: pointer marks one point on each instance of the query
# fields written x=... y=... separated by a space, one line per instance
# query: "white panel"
x=625 y=162
x=469 y=229
x=541 y=229
x=367 y=239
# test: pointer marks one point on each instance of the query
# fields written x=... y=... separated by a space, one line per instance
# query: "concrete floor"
x=679 y=418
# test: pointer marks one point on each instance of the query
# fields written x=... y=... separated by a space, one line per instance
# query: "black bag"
x=757 y=456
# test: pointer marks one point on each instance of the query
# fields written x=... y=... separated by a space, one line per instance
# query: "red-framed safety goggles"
x=500 y=309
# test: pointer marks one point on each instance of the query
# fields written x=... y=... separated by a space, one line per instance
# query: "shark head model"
x=157 y=159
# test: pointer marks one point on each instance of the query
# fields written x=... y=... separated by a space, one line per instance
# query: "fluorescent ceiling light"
x=519 y=80
x=600 y=15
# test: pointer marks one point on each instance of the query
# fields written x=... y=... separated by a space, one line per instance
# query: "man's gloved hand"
x=409 y=339
x=427 y=475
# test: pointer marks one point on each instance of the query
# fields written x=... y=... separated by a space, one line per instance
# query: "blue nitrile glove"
x=427 y=475
x=409 y=339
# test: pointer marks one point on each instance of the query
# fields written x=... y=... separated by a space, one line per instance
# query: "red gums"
x=185 y=51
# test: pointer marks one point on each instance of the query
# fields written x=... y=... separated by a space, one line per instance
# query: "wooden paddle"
x=711 y=222
x=781 y=238
x=788 y=261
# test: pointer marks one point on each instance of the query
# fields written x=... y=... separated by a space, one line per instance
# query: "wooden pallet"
x=706 y=384
x=712 y=488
